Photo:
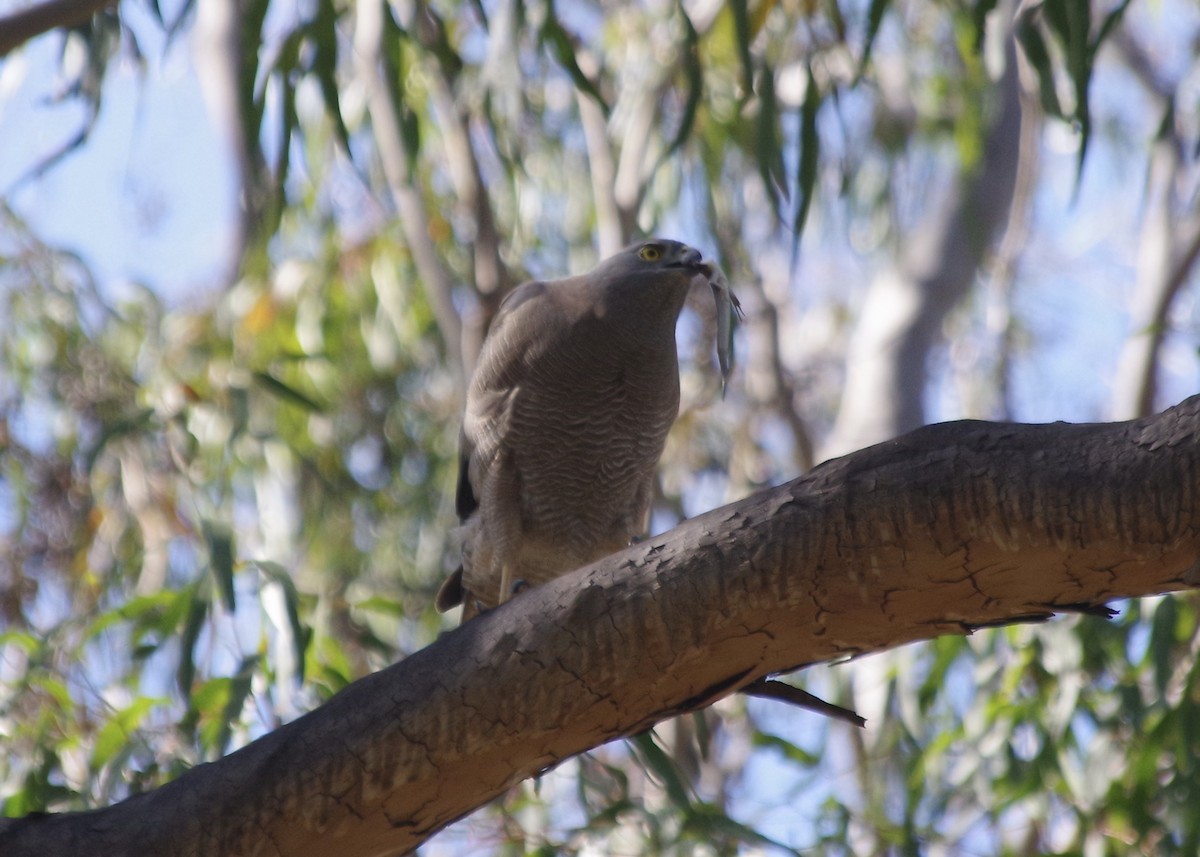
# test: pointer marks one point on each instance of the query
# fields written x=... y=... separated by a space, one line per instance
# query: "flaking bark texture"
x=948 y=528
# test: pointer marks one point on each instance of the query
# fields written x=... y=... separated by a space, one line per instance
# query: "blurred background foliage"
x=217 y=510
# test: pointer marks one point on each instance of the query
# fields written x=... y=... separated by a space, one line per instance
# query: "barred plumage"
x=567 y=414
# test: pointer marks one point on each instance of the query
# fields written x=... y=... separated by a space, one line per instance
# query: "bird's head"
x=653 y=256
x=645 y=285
x=649 y=277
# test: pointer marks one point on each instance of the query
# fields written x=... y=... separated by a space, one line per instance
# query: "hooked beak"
x=691 y=259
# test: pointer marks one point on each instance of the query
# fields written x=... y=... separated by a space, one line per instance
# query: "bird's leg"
x=507 y=584
x=501 y=510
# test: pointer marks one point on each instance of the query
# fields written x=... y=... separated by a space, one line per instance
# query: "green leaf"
x=767 y=150
x=252 y=15
x=790 y=751
x=239 y=406
x=210 y=701
x=1070 y=22
x=115 y=734
x=301 y=633
x=21 y=639
x=218 y=704
x=196 y=615
x=395 y=60
x=380 y=604
x=159 y=612
x=703 y=734
x=323 y=30
x=1079 y=63
x=662 y=767
x=286 y=392
x=275 y=194
x=562 y=47
x=874 y=19
x=1160 y=648
x=54 y=688
x=1166 y=127
x=979 y=15
x=332 y=669
x=1110 y=22
x=708 y=823
x=694 y=77
x=1029 y=34
x=741 y=29
x=808 y=161
x=219 y=538
x=239 y=688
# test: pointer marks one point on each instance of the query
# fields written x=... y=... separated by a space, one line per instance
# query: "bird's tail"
x=452 y=594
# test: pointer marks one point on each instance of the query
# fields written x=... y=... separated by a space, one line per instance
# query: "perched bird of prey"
x=567 y=413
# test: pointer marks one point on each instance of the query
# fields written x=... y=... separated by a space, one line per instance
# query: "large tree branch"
x=951 y=527
x=24 y=24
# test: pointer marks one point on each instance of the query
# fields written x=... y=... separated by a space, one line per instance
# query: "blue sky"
x=150 y=196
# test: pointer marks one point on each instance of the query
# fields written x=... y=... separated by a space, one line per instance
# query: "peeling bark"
x=949 y=528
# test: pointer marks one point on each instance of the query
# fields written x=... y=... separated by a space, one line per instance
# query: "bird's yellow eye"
x=650 y=253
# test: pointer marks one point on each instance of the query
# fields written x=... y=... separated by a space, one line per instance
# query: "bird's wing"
x=530 y=319
x=502 y=363
x=534 y=318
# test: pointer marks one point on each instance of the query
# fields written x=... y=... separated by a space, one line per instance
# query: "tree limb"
x=492 y=279
x=19 y=27
x=792 y=695
x=906 y=304
x=614 y=225
x=953 y=526
x=1168 y=246
x=395 y=157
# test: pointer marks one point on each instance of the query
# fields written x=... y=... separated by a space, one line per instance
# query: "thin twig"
x=777 y=690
